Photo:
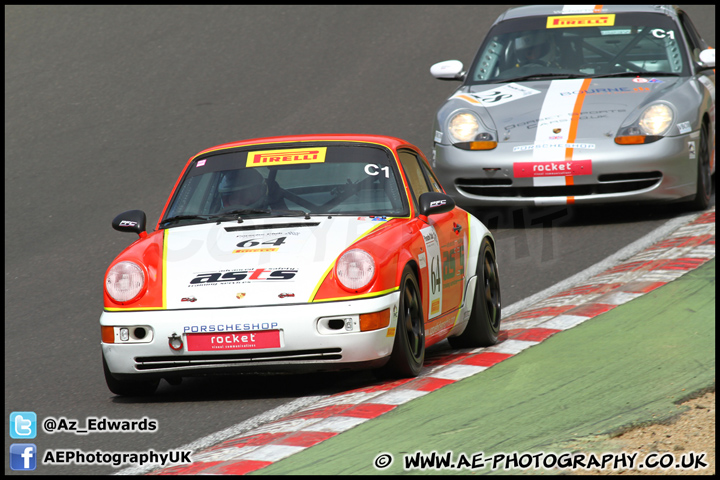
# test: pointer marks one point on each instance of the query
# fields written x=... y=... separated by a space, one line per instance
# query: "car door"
x=445 y=238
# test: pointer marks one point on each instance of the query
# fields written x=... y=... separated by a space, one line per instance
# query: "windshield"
x=580 y=45
x=288 y=180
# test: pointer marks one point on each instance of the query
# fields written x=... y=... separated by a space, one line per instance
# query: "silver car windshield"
x=290 y=180
x=630 y=43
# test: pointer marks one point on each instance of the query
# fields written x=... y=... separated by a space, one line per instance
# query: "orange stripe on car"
x=572 y=134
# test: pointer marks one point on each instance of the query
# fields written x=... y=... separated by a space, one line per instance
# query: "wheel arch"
x=478 y=232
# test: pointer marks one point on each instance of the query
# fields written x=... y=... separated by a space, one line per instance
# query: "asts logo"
x=286 y=157
x=569 y=21
x=259 y=274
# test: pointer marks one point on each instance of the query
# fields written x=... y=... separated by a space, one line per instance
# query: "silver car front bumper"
x=665 y=170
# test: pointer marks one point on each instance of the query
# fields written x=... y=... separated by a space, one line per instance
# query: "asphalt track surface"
x=105 y=104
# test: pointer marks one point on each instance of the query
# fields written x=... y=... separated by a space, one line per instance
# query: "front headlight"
x=656 y=119
x=466 y=133
x=463 y=127
x=355 y=269
x=653 y=123
x=125 y=281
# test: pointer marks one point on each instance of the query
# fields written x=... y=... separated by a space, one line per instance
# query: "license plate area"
x=233 y=341
x=552 y=168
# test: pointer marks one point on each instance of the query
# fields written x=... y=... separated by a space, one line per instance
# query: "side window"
x=434 y=184
x=695 y=43
x=414 y=173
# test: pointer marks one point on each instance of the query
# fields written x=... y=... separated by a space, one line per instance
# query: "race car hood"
x=517 y=109
x=267 y=261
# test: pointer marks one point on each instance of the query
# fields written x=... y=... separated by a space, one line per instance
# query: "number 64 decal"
x=253 y=242
x=435 y=282
x=434 y=262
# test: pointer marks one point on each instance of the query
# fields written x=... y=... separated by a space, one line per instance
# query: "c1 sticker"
x=571 y=21
x=268 y=158
x=434 y=263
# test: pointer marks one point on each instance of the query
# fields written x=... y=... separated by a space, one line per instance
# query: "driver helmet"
x=245 y=188
x=534 y=47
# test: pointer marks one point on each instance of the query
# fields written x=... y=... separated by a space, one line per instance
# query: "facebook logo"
x=23 y=456
x=23 y=425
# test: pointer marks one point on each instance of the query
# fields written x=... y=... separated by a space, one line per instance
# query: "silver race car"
x=576 y=104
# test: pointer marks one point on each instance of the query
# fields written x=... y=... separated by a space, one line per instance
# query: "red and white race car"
x=319 y=252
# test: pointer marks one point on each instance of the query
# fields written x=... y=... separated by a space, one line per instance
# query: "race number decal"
x=434 y=265
x=497 y=96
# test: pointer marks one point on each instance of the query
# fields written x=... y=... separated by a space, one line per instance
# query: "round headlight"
x=355 y=269
x=124 y=281
x=463 y=127
x=656 y=119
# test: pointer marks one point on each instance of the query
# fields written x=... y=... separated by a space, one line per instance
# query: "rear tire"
x=129 y=388
x=408 y=352
x=484 y=322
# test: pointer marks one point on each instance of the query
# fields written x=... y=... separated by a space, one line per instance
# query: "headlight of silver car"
x=653 y=123
x=463 y=127
x=466 y=132
x=656 y=119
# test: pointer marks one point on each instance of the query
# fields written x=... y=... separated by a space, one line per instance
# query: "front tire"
x=129 y=388
x=484 y=322
x=704 y=180
x=408 y=352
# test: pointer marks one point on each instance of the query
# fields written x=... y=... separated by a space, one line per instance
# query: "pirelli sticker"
x=293 y=156
x=571 y=21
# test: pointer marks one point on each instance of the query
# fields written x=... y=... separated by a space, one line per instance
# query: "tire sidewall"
x=480 y=308
x=403 y=361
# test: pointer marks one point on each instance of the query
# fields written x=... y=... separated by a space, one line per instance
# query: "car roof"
x=390 y=142
x=543 y=10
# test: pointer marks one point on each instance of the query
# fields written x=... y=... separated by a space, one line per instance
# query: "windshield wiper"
x=292 y=213
x=635 y=74
x=250 y=211
x=237 y=214
x=242 y=211
x=185 y=217
x=541 y=75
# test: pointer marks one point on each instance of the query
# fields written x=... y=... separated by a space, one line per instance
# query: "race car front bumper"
x=663 y=171
x=309 y=337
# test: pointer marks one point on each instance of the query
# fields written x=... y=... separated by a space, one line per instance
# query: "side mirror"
x=448 y=70
x=707 y=58
x=131 y=221
x=432 y=203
